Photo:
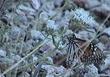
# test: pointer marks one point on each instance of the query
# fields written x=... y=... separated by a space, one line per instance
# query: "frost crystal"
x=51 y=24
x=2 y=53
x=84 y=16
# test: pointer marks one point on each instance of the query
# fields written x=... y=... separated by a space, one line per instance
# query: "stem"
x=16 y=64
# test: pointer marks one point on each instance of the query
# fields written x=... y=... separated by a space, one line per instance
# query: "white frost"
x=82 y=15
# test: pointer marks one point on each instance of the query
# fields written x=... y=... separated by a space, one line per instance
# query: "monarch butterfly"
x=87 y=55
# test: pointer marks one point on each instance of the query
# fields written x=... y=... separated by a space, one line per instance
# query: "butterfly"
x=86 y=53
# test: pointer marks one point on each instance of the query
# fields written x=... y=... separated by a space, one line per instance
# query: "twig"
x=16 y=64
x=106 y=75
x=2 y=3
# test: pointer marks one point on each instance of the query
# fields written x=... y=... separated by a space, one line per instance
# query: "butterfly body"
x=87 y=53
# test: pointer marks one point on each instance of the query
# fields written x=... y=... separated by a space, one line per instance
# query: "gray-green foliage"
x=3 y=30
